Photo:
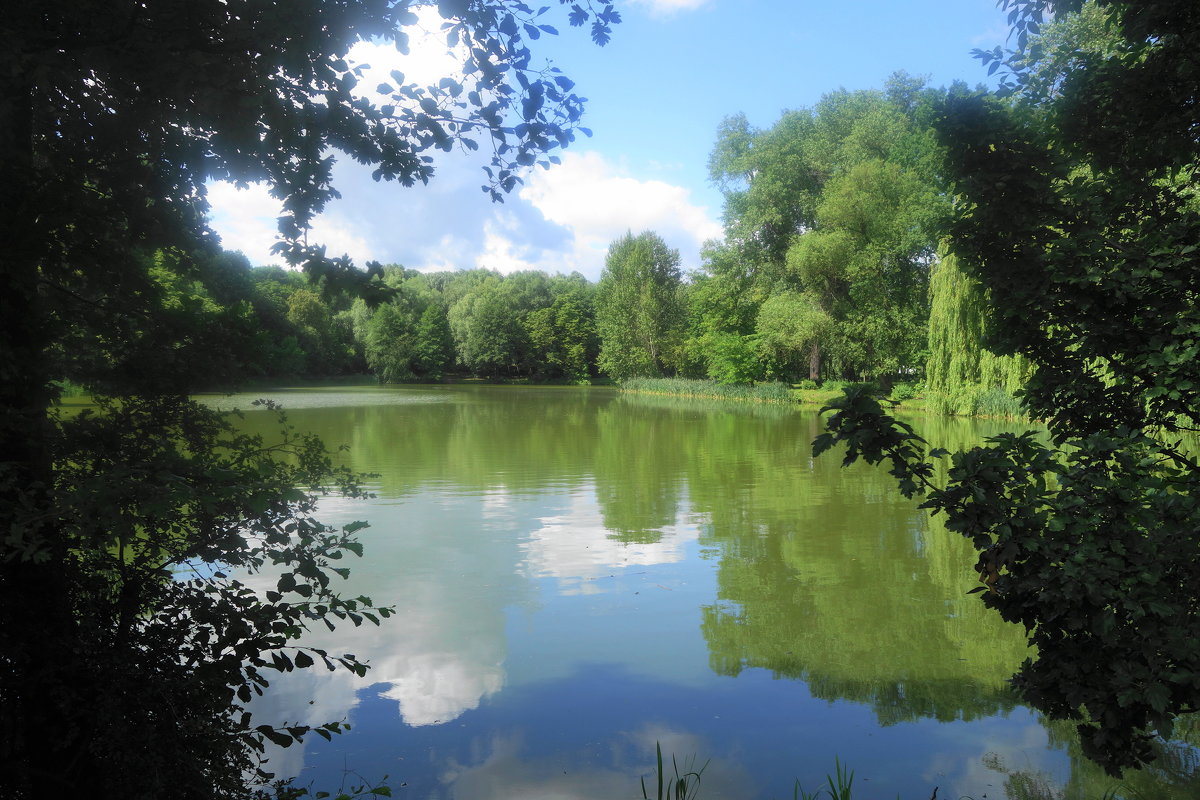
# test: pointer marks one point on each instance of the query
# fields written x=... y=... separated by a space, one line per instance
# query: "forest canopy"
x=833 y=219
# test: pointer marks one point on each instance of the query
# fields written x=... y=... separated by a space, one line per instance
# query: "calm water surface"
x=579 y=575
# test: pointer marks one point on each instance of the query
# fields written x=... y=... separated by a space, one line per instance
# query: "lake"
x=581 y=575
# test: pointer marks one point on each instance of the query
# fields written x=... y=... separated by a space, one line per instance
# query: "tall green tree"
x=408 y=337
x=721 y=302
x=1077 y=214
x=527 y=324
x=794 y=327
x=434 y=343
x=865 y=264
x=298 y=329
x=491 y=335
x=389 y=339
x=328 y=345
x=563 y=336
x=113 y=116
x=639 y=316
x=840 y=203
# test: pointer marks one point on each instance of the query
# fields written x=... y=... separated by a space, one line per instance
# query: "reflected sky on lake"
x=578 y=551
x=577 y=575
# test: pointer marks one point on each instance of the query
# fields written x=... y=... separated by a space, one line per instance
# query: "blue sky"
x=657 y=92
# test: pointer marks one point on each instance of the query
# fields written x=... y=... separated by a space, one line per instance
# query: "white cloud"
x=443 y=652
x=428 y=59
x=434 y=688
x=245 y=218
x=663 y=8
x=586 y=194
x=502 y=247
x=598 y=203
x=506 y=773
x=438 y=657
x=987 y=752
x=562 y=219
x=341 y=237
x=503 y=768
x=996 y=34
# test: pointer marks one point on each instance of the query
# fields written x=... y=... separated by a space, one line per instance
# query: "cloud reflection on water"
x=612 y=769
x=575 y=548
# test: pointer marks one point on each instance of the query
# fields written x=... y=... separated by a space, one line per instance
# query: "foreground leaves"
x=194 y=563
x=1090 y=546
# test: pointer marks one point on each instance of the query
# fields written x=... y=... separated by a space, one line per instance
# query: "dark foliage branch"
x=1091 y=549
x=115 y=677
x=159 y=503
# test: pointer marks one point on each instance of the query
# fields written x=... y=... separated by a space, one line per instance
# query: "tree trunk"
x=814 y=362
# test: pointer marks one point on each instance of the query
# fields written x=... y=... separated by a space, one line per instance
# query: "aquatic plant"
x=838 y=786
x=684 y=786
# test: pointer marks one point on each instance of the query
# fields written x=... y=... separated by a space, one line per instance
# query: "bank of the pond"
x=777 y=393
x=252 y=384
x=908 y=397
x=710 y=390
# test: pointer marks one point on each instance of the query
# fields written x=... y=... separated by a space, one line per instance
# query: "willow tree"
x=962 y=375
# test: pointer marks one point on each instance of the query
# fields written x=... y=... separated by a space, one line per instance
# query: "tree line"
x=271 y=322
x=830 y=268
x=833 y=265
